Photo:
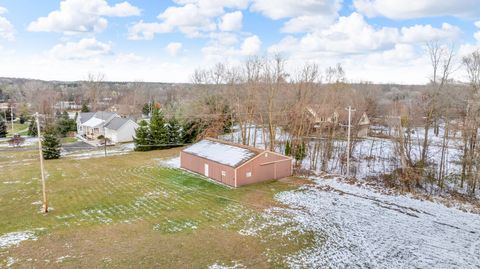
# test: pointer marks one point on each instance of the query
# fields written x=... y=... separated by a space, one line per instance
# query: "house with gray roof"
x=120 y=130
x=91 y=125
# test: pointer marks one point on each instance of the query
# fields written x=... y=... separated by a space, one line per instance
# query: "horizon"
x=166 y=42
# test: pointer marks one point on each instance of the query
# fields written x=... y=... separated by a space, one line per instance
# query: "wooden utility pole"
x=11 y=118
x=45 y=201
x=349 y=109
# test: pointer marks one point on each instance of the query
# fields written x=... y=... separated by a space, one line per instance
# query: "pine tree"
x=32 y=128
x=189 y=132
x=288 y=148
x=51 y=144
x=9 y=113
x=300 y=152
x=141 y=139
x=3 y=128
x=173 y=132
x=147 y=108
x=85 y=108
x=158 y=132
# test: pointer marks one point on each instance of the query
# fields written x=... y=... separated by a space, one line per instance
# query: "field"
x=134 y=210
x=127 y=211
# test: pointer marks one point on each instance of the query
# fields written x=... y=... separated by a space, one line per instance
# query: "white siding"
x=124 y=134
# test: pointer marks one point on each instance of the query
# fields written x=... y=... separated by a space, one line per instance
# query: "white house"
x=120 y=130
x=91 y=125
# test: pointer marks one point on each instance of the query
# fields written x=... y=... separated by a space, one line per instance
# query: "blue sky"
x=375 y=40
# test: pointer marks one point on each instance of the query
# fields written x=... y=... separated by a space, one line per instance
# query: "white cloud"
x=477 y=36
x=194 y=18
x=147 y=30
x=174 y=48
x=353 y=35
x=477 y=23
x=303 y=16
x=400 y=9
x=251 y=46
x=424 y=33
x=231 y=21
x=78 y=16
x=224 y=38
x=307 y=23
x=7 y=31
x=217 y=52
x=84 y=49
x=350 y=34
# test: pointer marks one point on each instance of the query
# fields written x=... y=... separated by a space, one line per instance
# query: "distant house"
x=91 y=125
x=322 y=117
x=67 y=105
x=233 y=164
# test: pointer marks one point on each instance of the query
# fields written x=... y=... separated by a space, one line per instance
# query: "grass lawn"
x=18 y=128
x=127 y=211
x=68 y=140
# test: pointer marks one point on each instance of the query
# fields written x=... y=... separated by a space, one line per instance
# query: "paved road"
x=77 y=146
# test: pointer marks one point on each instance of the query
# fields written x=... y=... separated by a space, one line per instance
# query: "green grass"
x=18 y=128
x=157 y=217
x=68 y=140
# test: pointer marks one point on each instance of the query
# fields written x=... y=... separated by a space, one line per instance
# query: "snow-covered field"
x=357 y=227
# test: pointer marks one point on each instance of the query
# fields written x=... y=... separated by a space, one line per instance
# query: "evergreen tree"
x=147 y=108
x=142 y=137
x=173 y=132
x=51 y=144
x=85 y=108
x=65 y=115
x=64 y=126
x=158 y=132
x=3 y=128
x=288 y=148
x=300 y=152
x=32 y=128
x=9 y=113
x=190 y=132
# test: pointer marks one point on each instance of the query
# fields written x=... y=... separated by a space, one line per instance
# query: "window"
x=224 y=173
x=266 y=155
x=249 y=174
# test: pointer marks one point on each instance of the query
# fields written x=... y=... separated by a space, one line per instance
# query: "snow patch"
x=170 y=163
x=221 y=153
x=15 y=238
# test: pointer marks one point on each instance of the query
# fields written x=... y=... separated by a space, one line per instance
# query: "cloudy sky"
x=161 y=40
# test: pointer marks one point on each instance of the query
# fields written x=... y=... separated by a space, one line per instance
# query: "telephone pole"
x=349 y=108
x=45 y=201
x=11 y=118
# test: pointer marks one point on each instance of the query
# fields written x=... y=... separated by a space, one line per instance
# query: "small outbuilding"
x=234 y=164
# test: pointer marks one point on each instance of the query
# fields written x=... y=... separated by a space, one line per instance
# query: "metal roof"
x=223 y=153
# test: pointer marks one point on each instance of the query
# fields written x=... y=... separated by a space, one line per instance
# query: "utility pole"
x=104 y=138
x=349 y=108
x=11 y=118
x=45 y=201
